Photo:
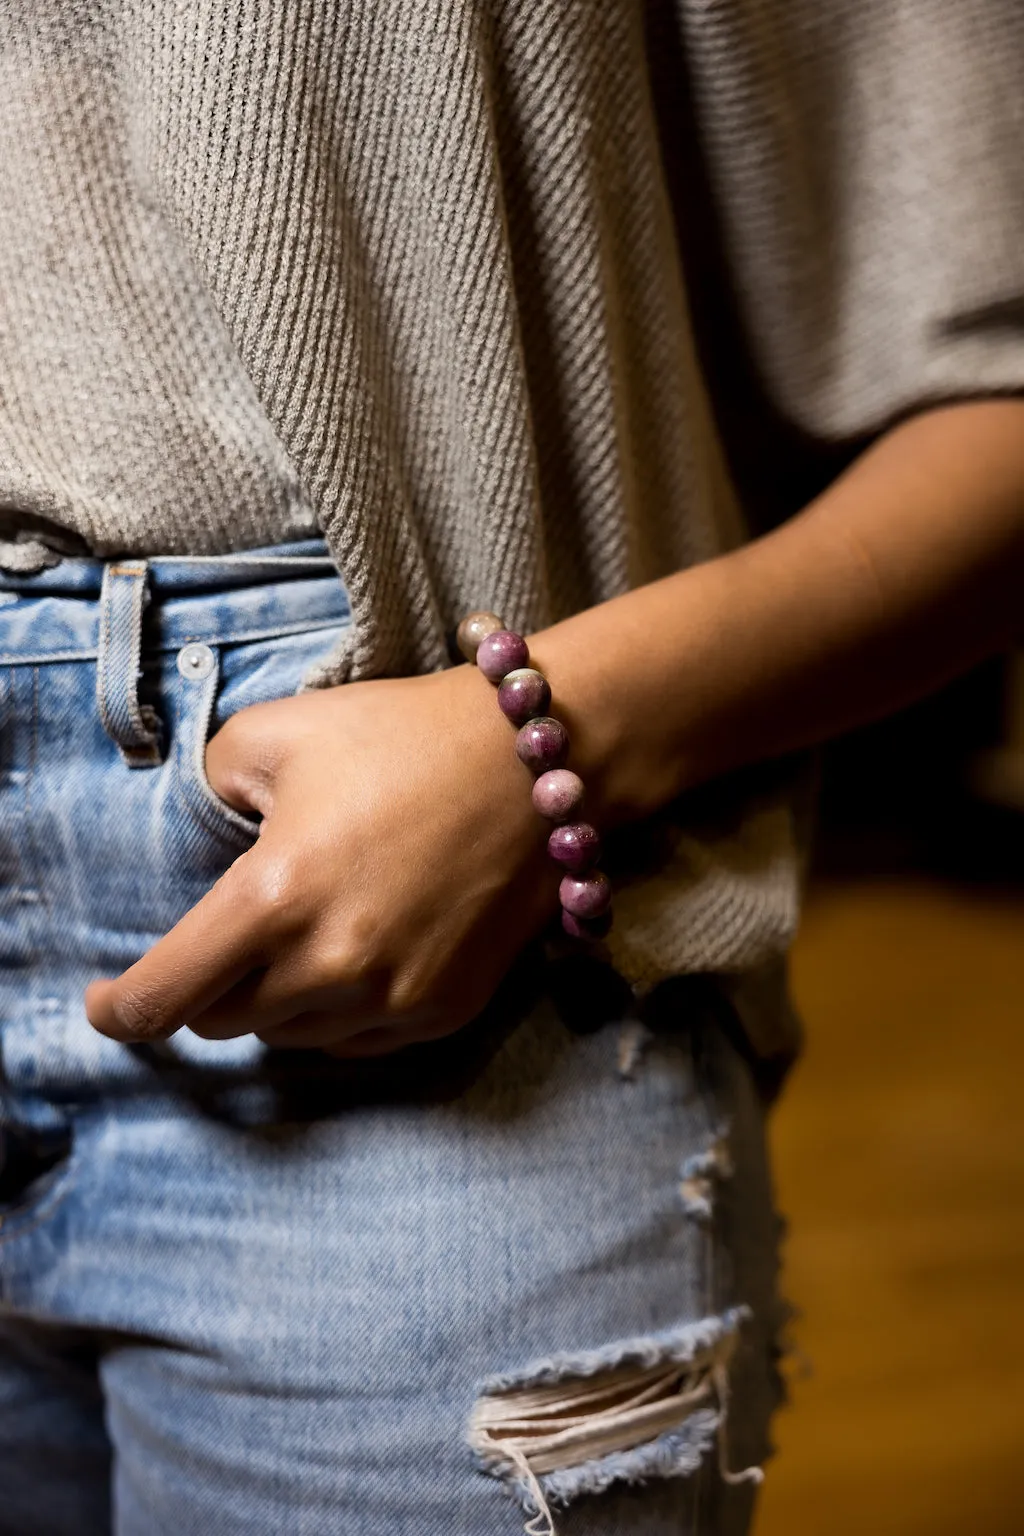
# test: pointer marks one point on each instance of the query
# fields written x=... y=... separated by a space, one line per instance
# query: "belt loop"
x=133 y=726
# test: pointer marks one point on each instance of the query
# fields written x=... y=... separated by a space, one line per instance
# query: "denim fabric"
x=259 y=1292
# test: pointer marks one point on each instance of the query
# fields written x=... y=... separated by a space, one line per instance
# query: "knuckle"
x=334 y=972
x=139 y=1015
x=347 y=962
x=277 y=887
x=343 y=969
x=410 y=997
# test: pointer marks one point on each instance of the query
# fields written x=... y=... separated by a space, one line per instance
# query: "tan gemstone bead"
x=474 y=628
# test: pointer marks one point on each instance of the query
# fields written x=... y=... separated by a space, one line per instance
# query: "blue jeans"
x=268 y=1293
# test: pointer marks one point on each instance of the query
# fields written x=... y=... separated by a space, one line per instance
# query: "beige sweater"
x=421 y=274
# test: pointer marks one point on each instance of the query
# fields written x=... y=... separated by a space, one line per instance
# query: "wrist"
x=634 y=754
x=542 y=744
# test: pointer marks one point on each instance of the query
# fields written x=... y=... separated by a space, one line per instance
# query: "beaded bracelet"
x=542 y=743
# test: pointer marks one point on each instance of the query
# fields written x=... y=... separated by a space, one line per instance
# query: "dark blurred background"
x=899 y=1142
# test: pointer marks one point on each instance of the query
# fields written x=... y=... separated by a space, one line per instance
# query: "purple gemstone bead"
x=558 y=794
x=586 y=896
x=501 y=653
x=524 y=694
x=576 y=847
x=577 y=928
x=542 y=744
x=474 y=628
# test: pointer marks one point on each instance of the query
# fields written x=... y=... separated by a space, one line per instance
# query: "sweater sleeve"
x=866 y=159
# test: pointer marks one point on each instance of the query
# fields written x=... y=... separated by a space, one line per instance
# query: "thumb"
x=239 y=765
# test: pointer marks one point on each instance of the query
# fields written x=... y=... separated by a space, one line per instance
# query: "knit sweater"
x=478 y=288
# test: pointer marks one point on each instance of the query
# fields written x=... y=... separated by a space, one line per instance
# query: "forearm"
x=905 y=572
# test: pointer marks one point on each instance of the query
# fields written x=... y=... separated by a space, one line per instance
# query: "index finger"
x=213 y=946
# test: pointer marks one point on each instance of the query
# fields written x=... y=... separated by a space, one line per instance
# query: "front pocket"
x=197 y=699
x=216 y=682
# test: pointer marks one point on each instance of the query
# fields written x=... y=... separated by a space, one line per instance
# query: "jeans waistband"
x=75 y=577
x=117 y=611
x=62 y=613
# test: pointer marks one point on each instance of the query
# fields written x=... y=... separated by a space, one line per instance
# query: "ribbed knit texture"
x=407 y=271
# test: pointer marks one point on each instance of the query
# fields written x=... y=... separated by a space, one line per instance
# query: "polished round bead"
x=542 y=744
x=500 y=653
x=576 y=847
x=586 y=896
x=474 y=628
x=558 y=794
x=524 y=694
x=578 y=928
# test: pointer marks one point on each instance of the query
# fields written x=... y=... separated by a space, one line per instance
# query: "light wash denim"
x=256 y=1293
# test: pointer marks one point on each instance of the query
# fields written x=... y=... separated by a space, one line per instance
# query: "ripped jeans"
x=508 y=1278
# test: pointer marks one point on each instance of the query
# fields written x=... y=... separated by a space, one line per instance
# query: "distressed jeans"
x=522 y=1276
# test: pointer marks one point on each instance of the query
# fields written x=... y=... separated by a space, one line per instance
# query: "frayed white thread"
x=556 y=1429
x=542 y=1523
x=551 y=1428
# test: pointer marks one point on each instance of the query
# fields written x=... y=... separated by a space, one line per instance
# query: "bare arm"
x=401 y=867
x=906 y=571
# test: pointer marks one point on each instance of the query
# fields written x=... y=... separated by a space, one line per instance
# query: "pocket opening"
x=201 y=799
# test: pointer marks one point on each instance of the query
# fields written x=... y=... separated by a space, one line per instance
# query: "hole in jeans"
x=647 y=1408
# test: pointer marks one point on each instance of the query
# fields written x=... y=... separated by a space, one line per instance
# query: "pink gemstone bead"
x=576 y=847
x=523 y=694
x=586 y=896
x=558 y=794
x=542 y=744
x=474 y=628
x=501 y=653
x=576 y=928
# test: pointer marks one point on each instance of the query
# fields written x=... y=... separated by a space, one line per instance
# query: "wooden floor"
x=899 y=1152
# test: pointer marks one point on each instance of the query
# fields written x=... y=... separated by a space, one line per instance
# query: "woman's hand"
x=400 y=868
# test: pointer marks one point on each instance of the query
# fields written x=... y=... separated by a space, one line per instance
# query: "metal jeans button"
x=195 y=661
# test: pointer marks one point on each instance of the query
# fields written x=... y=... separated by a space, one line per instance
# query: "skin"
x=401 y=866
